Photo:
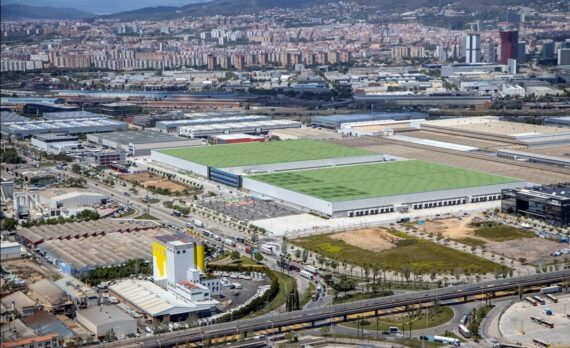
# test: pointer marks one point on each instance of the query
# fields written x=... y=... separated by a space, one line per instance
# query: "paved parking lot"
x=516 y=325
x=238 y=296
x=247 y=208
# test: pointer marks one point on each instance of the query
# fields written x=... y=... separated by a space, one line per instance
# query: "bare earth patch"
x=147 y=179
x=373 y=239
x=534 y=250
x=450 y=228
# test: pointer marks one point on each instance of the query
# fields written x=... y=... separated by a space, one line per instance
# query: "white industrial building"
x=513 y=90
x=173 y=126
x=80 y=293
x=55 y=200
x=154 y=302
x=257 y=127
x=10 y=250
x=56 y=143
x=140 y=143
x=101 y=320
x=73 y=126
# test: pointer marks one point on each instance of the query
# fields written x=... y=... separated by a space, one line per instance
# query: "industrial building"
x=335 y=180
x=304 y=133
x=52 y=298
x=378 y=188
x=79 y=256
x=56 y=143
x=409 y=99
x=492 y=128
x=172 y=126
x=379 y=127
x=255 y=128
x=72 y=126
x=119 y=109
x=224 y=163
x=81 y=294
x=7 y=117
x=64 y=200
x=34 y=236
x=100 y=320
x=534 y=157
x=335 y=121
x=10 y=250
x=178 y=265
x=21 y=304
x=550 y=203
x=38 y=108
x=558 y=121
x=236 y=139
x=69 y=115
x=139 y=143
x=154 y=302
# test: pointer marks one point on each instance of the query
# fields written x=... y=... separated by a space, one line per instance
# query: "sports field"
x=236 y=155
x=379 y=179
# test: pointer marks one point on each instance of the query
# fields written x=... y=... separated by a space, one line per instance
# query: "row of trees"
x=259 y=302
x=131 y=267
x=9 y=155
x=84 y=215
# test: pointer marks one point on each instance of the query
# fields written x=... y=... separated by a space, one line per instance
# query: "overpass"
x=314 y=315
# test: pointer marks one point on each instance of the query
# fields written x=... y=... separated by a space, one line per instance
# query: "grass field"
x=422 y=321
x=235 y=155
x=286 y=283
x=420 y=256
x=147 y=216
x=379 y=179
x=470 y=241
x=500 y=233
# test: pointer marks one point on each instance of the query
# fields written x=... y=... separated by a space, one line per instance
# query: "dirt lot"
x=147 y=179
x=535 y=250
x=449 y=228
x=373 y=239
x=29 y=270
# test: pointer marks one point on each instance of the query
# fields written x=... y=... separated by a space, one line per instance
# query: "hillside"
x=16 y=12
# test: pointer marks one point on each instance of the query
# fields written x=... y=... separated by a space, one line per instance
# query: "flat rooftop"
x=139 y=137
x=492 y=125
x=379 y=179
x=236 y=155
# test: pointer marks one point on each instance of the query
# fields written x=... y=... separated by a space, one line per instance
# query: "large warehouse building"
x=335 y=180
x=255 y=128
x=172 y=126
x=335 y=121
x=139 y=143
x=72 y=126
x=550 y=203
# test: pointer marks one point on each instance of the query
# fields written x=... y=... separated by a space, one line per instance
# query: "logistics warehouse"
x=336 y=180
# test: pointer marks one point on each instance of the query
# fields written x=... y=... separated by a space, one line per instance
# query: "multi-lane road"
x=316 y=315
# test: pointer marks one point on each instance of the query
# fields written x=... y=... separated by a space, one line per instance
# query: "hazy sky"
x=102 y=6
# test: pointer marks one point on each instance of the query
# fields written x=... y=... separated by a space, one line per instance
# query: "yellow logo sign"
x=159 y=254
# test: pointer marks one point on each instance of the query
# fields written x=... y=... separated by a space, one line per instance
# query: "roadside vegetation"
x=410 y=255
x=420 y=319
x=498 y=232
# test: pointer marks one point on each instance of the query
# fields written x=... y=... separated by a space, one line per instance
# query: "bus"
x=306 y=274
x=449 y=340
x=311 y=269
x=464 y=331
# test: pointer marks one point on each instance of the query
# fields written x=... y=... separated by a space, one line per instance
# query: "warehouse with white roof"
x=154 y=302
x=256 y=128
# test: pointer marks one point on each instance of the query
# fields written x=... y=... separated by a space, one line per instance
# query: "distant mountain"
x=16 y=12
x=102 y=6
x=215 y=7
x=234 y=7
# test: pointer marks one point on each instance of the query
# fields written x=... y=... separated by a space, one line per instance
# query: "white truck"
x=197 y=223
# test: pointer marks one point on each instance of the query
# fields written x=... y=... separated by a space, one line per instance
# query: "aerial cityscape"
x=295 y=173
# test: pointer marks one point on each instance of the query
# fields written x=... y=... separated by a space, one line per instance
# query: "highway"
x=316 y=315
